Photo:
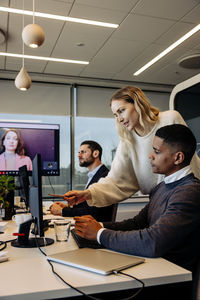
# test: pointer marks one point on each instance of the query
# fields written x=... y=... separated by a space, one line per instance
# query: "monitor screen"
x=24 y=185
x=21 y=141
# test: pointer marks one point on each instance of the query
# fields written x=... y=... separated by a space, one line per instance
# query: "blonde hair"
x=147 y=112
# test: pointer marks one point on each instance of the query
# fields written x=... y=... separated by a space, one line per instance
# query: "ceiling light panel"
x=57 y=17
x=53 y=59
x=167 y=50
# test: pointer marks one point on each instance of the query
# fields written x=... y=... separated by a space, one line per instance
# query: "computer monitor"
x=35 y=204
x=27 y=140
x=35 y=195
x=24 y=185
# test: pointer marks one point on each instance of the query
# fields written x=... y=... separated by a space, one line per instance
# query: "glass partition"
x=101 y=130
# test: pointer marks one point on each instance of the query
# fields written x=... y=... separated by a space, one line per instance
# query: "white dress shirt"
x=92 y=173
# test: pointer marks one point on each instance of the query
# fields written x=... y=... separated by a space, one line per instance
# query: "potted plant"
x=7 y=187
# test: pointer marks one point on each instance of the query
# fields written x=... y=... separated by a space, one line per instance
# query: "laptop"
x=96 y=260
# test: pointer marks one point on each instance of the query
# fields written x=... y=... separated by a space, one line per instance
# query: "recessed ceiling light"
x=191 y=61
x=56 y=17
x=80 y=44
x=169 y=49
x=69 y=61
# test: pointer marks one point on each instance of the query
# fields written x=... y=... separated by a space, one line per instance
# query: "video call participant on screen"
x=169 y=225
x=89 y=156
x=12 y=157
x=137 y=121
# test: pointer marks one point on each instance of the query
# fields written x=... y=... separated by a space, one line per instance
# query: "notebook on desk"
x=96 y=260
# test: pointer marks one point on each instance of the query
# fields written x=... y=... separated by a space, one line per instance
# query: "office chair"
x=114 y=212
x=196 y=283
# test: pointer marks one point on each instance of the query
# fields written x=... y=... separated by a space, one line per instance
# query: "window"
x=101 y=130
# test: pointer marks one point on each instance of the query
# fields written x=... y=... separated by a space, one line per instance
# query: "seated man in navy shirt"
x=169 y=225
x=89 y=156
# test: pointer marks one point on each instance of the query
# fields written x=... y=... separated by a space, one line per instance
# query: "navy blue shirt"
x=168 y=226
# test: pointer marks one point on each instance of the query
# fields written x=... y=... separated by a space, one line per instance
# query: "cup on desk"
x=17 y=200
x=62 y=230
x=20 y=218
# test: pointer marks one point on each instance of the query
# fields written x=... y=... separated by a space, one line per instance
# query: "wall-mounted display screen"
x=20 y=142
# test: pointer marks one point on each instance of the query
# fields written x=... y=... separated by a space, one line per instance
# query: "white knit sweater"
x=131 y=170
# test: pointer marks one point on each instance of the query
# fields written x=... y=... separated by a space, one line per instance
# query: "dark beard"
x=86 y=163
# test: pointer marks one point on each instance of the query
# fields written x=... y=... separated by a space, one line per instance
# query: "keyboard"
x=85 y=243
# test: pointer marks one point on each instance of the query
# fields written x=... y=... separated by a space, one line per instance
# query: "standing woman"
x=13 y=152
x=137 y=121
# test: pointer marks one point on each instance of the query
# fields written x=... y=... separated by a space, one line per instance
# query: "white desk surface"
x=27 y=274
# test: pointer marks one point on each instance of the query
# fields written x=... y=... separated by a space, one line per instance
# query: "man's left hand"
x=56 y=209
x=87 y=227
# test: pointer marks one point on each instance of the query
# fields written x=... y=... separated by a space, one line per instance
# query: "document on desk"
x=3 y=226
x=52 y=217
x=96 y=260
x=3 y=256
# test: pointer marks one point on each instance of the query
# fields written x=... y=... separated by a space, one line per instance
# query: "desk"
x=27 y=275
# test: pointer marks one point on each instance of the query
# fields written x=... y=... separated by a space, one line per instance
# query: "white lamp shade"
x=33 y=35
x=23 y=80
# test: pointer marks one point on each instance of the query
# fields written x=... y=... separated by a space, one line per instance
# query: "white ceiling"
x=146 y=28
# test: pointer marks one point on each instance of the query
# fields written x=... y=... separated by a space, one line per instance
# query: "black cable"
x=133 y=277
x=4 y=245
x=79 y=291
x=54 y=272
x=91 y=297
x=11 y=240
x=73 y=287
x=51 y=185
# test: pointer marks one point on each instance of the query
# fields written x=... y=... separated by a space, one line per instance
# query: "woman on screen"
x=12 y=157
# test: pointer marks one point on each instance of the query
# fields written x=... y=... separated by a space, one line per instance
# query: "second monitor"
x=36 y=210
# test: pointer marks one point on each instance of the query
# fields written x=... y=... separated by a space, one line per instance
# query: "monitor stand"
x=24 y=241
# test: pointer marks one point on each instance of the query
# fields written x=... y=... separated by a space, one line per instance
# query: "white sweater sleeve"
x=120 y=183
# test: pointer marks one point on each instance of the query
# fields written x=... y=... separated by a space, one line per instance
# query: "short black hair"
x=93 y=146
x=180 y=137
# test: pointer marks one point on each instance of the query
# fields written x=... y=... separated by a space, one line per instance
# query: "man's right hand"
x=75 y=197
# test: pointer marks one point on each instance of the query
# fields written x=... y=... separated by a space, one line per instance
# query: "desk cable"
x=51 y=185
x=3 y=244
x=81 y=292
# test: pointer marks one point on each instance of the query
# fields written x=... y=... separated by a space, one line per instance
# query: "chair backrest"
x=114 y=212
x=196 y=283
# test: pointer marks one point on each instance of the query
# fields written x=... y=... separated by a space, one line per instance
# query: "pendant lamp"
x=23 y=80
x=33 y=35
